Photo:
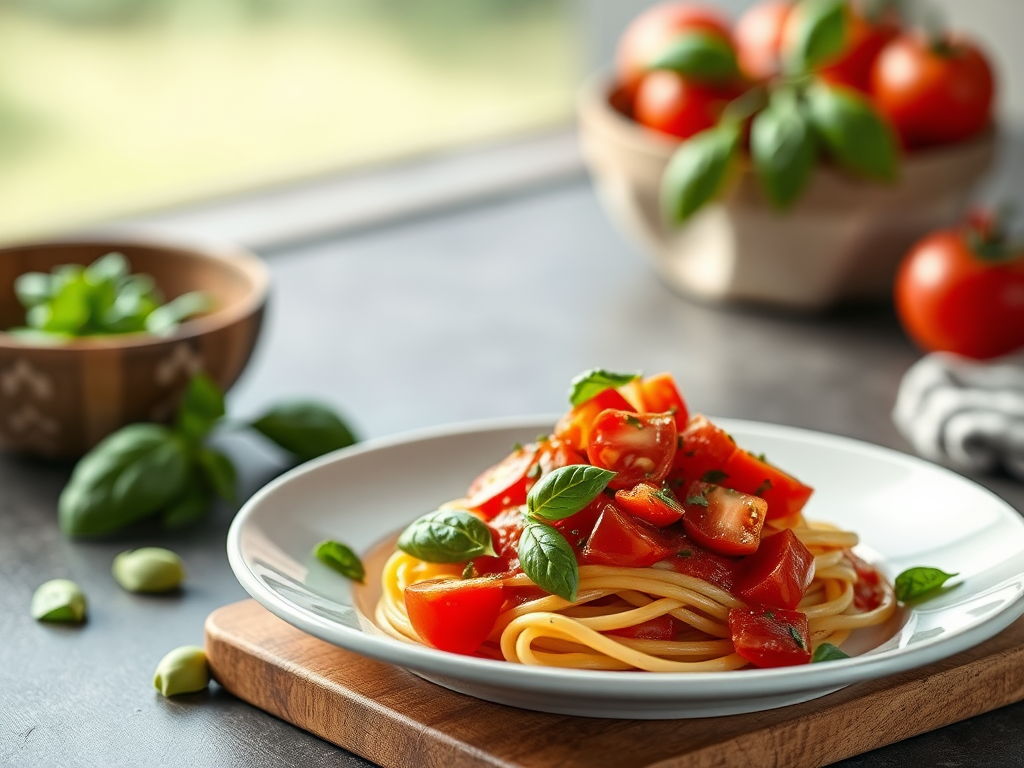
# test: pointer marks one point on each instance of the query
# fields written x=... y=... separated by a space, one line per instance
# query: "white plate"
x=908 y=512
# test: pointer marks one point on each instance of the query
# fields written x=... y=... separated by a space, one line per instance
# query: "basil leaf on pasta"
x=447 y=536
x=549 y=561
x=828 y=652
x=566 y=491
x=917 y=582
x=592 y=383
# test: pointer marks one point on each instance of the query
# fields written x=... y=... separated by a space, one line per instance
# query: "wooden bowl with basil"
x=60 y=394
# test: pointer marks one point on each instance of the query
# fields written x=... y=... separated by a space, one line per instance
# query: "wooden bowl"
x=841 y=241
x=58 y=401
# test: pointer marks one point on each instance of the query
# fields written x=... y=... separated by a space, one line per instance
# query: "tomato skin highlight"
x=665 y=101
x=770 y=637
x=949 y=299
x=455 y=616
x=723 y=520
x=574 y=427
x=778 y=574
x=637 y=447
x=620 y=539
x=651 y=503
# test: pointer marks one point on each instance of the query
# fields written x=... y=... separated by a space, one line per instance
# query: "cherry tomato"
x=693 y=560
x=865 y=41
x=758 y=36
x=770 y=637
x=661 y=628
x=503 y=485
x=650 y=502
x=574 y=427
x=639 y=447
x=703 y=448
x=667 y=102
x=623 y=540
x=650 y=33
x=454 y=616
x=933 y=94
x=723 y=520
x=784 y=494
x=777 y=574
x=950 y=298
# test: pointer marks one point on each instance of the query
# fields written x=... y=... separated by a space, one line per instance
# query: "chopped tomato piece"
x=454 y=615
x=577 y=528
x=703 y=451
x=752 y=474
x=867 y=592
x=660 y=395
x=723 y=520
x=506 y=528
x=623 y=540
x=503 y=485
x=574 y=427
x=638 y=447
x=650 y=502
x=777 y=574
x=770 y=637
x=551 y=455
x=661 y=628
x=693 y=560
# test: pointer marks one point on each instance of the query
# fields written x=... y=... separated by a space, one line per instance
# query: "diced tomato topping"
x=661 y=628
x=506 y=529
x=770 y=637
x=867 y=592
x=574 y=427
x=623 y=540
x=693 y=560
x=454 y=615
x=577 y=528
x=777 y=574
x=503 y=485
x=660 y=395
x=650 y=502
x=638 y=447
x=703 y=451
x=723 y=520
x=553 y=454
x=751 y=474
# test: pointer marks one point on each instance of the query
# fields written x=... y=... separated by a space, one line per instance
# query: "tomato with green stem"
x=454 y=615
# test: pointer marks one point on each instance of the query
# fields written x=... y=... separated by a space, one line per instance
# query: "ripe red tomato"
x=784 y=494
x=770 y=637
x=661 y=628
x=651 y=503
x=650 y=33
x=950 y=298
x=623 y=540
x=506 y=528
x=639 y=447
x=503 y=485
x=667 y=102
x=777 y=574
x=577 y=528
x=865 y=42
x=725 y=521
x=693 y=560
x=660 y=395
x=574 y=427
x=933 y=94
x=454 y=616
x=758 y=37
x=703 y=448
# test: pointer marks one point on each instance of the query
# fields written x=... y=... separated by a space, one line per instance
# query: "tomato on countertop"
x=770 y=637
x=454 y=616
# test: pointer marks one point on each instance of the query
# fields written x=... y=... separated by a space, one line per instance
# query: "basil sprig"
x=917 y=582
x=549 y=561
x=783 y=148
x=565 y=491
x=698 y=171
x=341 y=558
x=152 y=471
x=828 y=652
x=701 y=57
x=592 y=383
x=447 y=536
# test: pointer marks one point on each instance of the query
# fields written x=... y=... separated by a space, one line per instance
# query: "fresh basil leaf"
x=190 y=507
x=165 y=319
x=852 y=131
x=698 y=172
x=592 y=383
x=305 y=429
x=341 y=558
x=784 y=149
x=67 y=310
x=917 y=582
x=33 y=288
x=447 y=536
x=821 y=33
x=702 y=57
x=219 y=472
x=566 y=490
x=828 y=652
x=202 y=405
x=547 y=558
x=127 y=477
x=112 y=268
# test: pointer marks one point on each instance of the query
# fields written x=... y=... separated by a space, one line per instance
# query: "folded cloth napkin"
x=963 y=412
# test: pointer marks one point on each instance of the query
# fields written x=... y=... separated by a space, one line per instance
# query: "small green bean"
x=149 y=569
x=59 y=600
x=183 y=670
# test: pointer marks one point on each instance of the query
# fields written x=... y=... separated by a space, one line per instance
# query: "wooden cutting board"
x=397 y=720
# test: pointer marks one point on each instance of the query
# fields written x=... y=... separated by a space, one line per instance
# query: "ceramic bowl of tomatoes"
x=791 y=158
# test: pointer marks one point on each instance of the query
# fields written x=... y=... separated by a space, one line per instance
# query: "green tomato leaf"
x=590 y=384
x=305 y=429
x=202 y=405
x=341 y=558
x=853 y=132
x=702 y=57
x=127 y=477
x=917 y=582
x=219 y=472
x=565 y=491
x=190 y=507
x=447 y=536
x=828 y=652
x=784 y=148
x=698 y=171
x=547 y=558
x=821 y=34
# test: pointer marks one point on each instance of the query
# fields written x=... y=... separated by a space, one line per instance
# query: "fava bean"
x=149 y=569
x=59 y=600
x=183 y=670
